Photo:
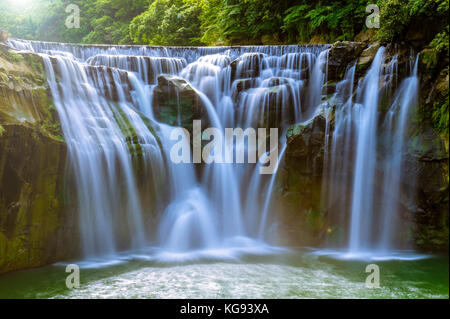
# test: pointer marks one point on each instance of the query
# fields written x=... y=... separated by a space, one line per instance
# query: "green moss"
x=4 y=77
x=11 y=56
x=177 y=113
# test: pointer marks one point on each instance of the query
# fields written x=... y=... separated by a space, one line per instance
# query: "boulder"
x=305 y=145
x=176 y=102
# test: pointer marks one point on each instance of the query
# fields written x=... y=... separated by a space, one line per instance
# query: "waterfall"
x=100 y=155
x=104 y=97
x=120 y=148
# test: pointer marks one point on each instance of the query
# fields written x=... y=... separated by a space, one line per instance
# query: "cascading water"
x=104 y=98
x=100 y=155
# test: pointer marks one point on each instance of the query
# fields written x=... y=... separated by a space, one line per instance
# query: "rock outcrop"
x=37 y=226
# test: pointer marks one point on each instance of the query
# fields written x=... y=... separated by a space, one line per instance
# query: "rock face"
x=427 y=174
x=175 y=102
x=104 y=81
x=368 y=54
x=37 y=226
x=423 y=198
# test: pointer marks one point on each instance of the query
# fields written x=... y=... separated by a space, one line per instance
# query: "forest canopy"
x=223 y=22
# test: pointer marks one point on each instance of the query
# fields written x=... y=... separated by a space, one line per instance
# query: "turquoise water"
x=258 y=273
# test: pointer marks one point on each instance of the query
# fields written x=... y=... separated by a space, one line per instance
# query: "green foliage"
x=335 y=20
x=210 y=22
x=440 y=116
x=440 y=41
x=167 y=22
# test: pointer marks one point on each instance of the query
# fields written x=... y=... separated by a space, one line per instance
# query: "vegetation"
x=232 y=22
x=211 y=22
x=167 y=22
x=401 y=18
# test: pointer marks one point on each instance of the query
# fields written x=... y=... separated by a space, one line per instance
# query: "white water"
x=98 y=90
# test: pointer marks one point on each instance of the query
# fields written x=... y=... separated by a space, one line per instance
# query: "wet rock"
x=112 y=83
x=241 y=85
x=176 y=102
x=4 y=35
x=275 y=81
x=365 y=36
x=367 y=55
x=329 y=89
x=299 y=185
x=305 y=146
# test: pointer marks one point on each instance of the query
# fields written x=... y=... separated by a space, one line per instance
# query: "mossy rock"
x=175 y=102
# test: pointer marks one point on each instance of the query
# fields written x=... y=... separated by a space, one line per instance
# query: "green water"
x=292 y=274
